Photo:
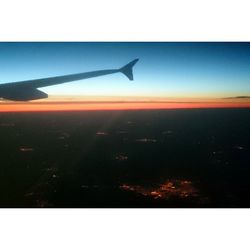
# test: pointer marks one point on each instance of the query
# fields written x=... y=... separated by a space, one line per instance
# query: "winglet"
x=127 y=70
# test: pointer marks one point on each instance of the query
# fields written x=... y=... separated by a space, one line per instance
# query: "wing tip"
x=127 y=70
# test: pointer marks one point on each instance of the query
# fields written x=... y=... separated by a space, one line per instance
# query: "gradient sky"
x=211 y=70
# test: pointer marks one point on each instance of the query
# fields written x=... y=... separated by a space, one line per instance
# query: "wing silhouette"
x=27 y=90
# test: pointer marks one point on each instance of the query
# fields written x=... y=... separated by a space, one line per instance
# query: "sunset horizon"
x=88 y=103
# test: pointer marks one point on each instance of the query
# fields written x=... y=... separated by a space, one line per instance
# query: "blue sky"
x=164 y=69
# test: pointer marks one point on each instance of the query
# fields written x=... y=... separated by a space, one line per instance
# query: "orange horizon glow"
x=112 y=104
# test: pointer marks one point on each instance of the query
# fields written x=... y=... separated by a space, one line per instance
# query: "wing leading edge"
x=27 y=90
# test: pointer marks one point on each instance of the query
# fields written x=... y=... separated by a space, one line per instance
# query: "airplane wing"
x=27 y=90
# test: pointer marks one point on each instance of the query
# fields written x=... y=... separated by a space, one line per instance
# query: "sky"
x=164 y=71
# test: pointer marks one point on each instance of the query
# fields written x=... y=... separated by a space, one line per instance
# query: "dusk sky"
x=165 y=70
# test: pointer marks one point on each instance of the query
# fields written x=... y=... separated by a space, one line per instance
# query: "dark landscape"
x=125 y=159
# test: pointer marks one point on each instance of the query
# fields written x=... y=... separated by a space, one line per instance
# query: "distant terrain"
x=105 y=159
